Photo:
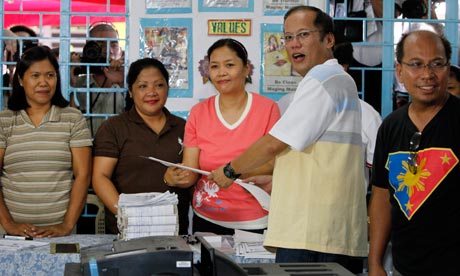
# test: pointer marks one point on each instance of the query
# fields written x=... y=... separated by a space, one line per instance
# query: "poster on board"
x=225 y=5
x=170 y=41
x=277 y=7
x=168 y=6
x=277 y=76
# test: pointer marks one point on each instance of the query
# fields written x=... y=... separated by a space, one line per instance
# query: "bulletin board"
x=179 y=32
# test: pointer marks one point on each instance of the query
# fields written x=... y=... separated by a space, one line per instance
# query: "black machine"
x=296 y=269
x=215 y=263
x=169 y=255
x=161 y=255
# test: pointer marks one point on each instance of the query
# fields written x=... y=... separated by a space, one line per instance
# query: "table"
x=40 y=262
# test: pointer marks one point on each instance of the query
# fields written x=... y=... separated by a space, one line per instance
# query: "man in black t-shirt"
x=416 y=172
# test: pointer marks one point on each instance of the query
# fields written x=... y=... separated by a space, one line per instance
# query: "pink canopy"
x=48 y=10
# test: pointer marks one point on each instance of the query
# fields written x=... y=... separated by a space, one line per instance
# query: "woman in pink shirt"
x=219 y=129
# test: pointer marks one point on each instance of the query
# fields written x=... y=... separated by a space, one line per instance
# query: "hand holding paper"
x=220 y=178
x=261 y=195
x=177 y=177
x=169 y=164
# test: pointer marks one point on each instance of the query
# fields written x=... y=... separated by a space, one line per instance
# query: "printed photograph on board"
x=276 y=69
x=171 y=44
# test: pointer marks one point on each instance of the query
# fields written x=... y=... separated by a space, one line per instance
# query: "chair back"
x=100 y=215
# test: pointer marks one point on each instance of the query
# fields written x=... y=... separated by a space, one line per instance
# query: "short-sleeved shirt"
x=219 y=143
x=99 y=102
x=371 y=121
x=317 y=201
x=425 y=210
x=37 y=173
x=126 y=137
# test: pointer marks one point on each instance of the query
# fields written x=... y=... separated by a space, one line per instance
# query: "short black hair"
x=18 y=100
x=27 y=43
x=101 y=26
x=25 y=29
x=455 y=70
x=343 y=52
x=322 y=21
x=135 y=69
x=235 y=46
x=400 y=45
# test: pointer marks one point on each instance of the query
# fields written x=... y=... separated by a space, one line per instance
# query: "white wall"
x=201 y=42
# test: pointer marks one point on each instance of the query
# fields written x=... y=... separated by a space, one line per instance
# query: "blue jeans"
x=286 y=255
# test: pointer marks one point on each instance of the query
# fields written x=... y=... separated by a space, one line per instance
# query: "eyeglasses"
x=301 y=36
x=414 y=143
x=418 y=67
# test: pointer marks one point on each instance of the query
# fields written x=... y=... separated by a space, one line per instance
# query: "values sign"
x=240 y=27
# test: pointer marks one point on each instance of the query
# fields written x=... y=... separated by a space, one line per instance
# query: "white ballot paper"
x=251 y=245
x=147 y=214
x=148 y=199
x=262 y=196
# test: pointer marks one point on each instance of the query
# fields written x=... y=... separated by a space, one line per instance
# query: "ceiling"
x=46 y=12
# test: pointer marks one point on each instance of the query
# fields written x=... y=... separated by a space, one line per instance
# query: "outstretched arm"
x=262 y=151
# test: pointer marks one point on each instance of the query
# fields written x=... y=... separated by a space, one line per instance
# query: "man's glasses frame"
x=418 y=67
x=300 y=36
x=414 y=144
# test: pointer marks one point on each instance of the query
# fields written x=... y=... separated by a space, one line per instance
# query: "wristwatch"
x=229 y=172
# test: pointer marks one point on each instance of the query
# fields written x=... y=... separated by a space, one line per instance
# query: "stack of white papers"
x=250 y=245
x=147 y=214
